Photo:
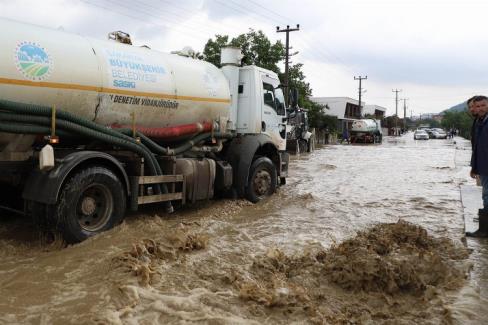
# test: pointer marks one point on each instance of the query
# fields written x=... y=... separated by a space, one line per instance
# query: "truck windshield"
x=274 y=98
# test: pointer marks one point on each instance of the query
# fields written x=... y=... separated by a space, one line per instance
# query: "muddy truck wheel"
x=92 y=201
x=262 y=180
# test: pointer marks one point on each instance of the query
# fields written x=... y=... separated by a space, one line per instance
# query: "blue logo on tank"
x=33 y=61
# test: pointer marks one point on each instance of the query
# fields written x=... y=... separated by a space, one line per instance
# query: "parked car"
x=439 y=134
x=430 y=132
x=420 y=135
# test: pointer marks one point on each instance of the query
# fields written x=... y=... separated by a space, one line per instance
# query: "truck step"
x=138 y=184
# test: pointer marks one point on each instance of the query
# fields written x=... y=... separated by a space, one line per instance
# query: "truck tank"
x=366 y=131
x=106 y=81
x=366 y=125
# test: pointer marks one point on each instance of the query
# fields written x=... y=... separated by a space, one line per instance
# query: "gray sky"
x=434 y=50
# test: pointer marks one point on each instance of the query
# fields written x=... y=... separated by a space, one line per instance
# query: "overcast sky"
x=433 y=50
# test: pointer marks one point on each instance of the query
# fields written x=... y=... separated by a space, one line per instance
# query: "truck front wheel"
x=262 y=180
x=92 y=201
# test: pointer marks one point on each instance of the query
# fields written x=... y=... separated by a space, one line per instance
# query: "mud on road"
x=321 y=251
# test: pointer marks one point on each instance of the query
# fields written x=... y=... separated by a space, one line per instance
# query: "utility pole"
x=405 y=114
x=396 y=91
x=287 y=55
x=360 y=92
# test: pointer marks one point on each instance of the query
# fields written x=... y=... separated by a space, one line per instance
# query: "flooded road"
x=295 y=258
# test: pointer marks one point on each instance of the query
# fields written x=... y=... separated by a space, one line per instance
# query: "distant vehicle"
x=366 y=131
x=298 y=137
x=429 y=132
x=439 y=134
x=420 y=135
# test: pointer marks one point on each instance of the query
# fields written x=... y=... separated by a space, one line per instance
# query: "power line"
x=137 y=18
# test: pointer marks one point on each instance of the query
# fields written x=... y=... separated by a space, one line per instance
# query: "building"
x=376 y=110
x=347 y=109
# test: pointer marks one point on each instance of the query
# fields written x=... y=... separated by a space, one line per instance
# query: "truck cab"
x=261 y=105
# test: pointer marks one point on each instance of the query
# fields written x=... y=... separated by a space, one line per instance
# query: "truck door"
x=273 y=111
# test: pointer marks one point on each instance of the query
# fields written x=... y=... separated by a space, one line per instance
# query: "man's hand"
x=473 y=174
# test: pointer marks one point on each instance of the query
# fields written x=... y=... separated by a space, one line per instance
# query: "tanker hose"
x=28 y=109
x=21 y=108
x=199 y=138
x=154 y=147
x=24 y=128
x=153 y=165
x=45 y=121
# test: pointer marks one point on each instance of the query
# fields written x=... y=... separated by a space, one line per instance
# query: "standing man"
x=479 y=159
x=345 y=134
x=474 y=113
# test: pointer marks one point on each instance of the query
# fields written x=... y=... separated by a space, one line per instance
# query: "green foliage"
x=431 y=122
x=318 y=118
x=391 y=122
x=458 y=120
x=297 y=81
x=255 y=46
x=211 y=51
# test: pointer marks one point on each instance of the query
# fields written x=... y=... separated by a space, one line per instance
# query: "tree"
x=211 y=51
x=255 y=46
x=318 y=118
x=296 y=80
x=458 y=120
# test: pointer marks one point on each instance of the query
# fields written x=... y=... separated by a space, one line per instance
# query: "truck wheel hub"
x=88 y=206
x=262 y=182
x=95 y=207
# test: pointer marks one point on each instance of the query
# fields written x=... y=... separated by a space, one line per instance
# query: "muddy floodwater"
x=359 y=235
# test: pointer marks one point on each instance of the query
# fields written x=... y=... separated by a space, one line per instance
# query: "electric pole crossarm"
x=287 y=55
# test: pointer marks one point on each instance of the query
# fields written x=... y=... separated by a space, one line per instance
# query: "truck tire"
x=302 y=146
x=91 y=201
x=262 y=180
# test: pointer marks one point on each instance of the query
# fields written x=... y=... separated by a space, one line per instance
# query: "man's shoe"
x=482 y=232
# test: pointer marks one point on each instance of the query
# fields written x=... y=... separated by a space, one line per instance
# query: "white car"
x=420 y=135
x=439 y=134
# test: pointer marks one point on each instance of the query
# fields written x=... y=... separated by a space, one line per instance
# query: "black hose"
x=29 y=109
x=154 y=147
x=70 y=126
x=153 y=165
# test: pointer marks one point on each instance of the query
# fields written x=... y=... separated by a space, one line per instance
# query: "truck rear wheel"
x=92 y=201
x=262 y=180
x=303 y=146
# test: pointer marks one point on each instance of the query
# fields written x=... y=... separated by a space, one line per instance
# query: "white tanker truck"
x=89 y=128
x=366 y=131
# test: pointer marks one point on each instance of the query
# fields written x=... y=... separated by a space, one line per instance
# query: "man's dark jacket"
x=479 y=157
x=473 y=128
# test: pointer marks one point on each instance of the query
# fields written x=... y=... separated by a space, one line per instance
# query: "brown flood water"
x=359 y=235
